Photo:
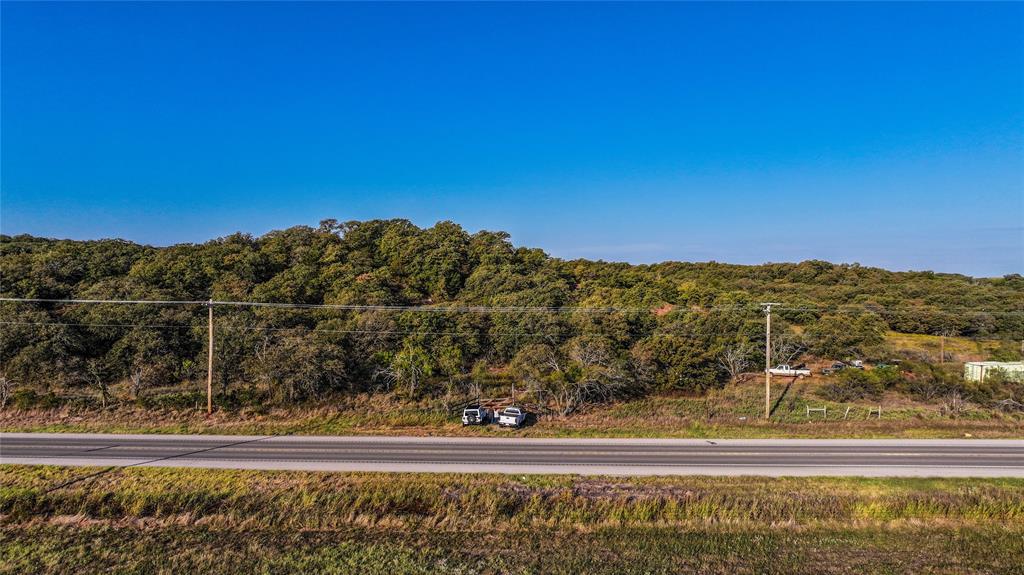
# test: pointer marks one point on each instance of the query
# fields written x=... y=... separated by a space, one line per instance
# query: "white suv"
x=476 y=416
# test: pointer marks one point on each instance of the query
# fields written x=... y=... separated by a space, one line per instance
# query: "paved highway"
x=776 y=457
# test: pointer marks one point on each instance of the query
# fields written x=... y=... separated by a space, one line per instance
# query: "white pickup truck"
x=511 y=417
x=785 y=369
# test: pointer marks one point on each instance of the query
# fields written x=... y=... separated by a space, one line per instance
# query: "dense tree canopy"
x=672 y=325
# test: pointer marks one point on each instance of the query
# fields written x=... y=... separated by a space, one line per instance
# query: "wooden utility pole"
x=942 y=348
x=209 y=360
x=768 y=359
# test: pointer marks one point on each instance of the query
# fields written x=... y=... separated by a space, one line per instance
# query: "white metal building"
x=979 y=370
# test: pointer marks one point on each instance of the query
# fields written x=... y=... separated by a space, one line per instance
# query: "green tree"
x=295 y=365
x=675 y=363
x=845 y=335
x=408 y=368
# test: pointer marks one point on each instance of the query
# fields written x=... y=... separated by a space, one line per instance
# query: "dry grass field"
x=732 y=412
x=176 y=521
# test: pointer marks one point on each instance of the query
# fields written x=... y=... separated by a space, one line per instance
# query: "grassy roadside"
x=729 y=413
x=184 y=520
x=735 y=411
x=329 y=422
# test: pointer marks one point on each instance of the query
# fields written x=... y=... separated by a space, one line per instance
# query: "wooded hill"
x=674 y=326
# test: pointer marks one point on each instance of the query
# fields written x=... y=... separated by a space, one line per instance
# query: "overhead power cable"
x=842 y=308
x=353 y=331
x=360 y=307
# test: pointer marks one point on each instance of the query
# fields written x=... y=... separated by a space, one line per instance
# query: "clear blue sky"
x=885 y=134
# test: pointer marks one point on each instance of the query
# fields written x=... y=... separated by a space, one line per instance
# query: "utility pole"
x=947 y=332
x=768 y=359
x=209 y=360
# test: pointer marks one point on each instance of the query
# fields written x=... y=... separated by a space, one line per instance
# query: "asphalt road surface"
x=776 y=457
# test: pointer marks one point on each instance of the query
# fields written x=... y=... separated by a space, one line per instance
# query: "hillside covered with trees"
x=589 y=330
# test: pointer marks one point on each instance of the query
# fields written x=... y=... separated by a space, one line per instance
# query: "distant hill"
x=673 y=320
x=395 y=262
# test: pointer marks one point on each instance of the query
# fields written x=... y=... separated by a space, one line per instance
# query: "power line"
x=483 y=332
x=840 y=308
x=873 y=308
x=73 y=324
x=361 y=307
x=353 y=331
x=106 y=301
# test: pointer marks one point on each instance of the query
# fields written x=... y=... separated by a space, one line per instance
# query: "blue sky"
x=885 y=134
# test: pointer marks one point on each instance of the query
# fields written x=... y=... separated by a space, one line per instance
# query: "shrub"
x=1007 y=351
x=929 y=382
x=28 y=398
x=888 y=376
x=853 y=384
x=998 y=385
x=175 y=400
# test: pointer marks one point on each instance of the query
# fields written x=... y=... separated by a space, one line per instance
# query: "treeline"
x=674 y=326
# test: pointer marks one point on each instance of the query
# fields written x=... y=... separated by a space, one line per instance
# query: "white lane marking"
x=715 y=453
x=873 y=468
x=552 y=469
x=270 y=449
x=476 y=463
x=515 y=440
x=412 y=459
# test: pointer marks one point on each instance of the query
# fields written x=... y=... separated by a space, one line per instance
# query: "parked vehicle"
x=785 y=369
x=476 y=415
x=857 y=364
x=837 y=366
x=511 y=417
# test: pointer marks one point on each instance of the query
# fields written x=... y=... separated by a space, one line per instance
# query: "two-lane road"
x=948 y=458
